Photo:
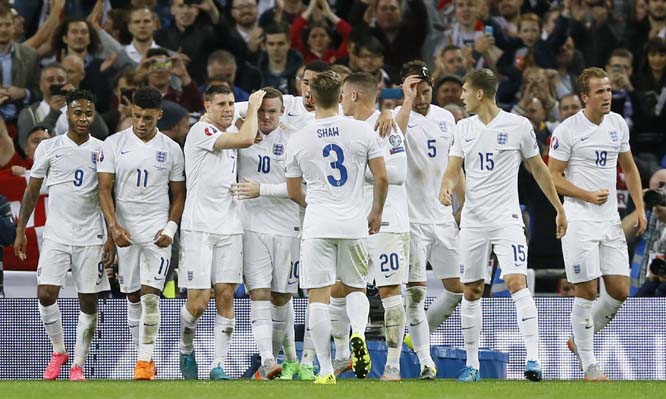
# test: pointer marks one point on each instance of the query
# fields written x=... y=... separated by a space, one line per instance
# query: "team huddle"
x=325 y=193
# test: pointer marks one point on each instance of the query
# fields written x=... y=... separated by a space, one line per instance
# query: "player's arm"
x=6 y=145
x=409 y=94
x=543 y=178
x=119 y=234
x=164 y=237
x=379 y=191
x=245 y=137
x=451 y=179
x=295 y=191
x=30 y=198
x=633 y=180
x=568 y=189
x=249 y=188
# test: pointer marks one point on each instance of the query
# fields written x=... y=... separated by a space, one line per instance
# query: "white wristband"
x=170 y=229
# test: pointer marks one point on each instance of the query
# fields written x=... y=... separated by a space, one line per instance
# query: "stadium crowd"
x=53 y=51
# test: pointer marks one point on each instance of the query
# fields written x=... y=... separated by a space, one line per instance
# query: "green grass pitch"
x=345 y=389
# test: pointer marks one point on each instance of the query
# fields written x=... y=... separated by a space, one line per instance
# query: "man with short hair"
x=74 y=233
x=271 y=240
x=569 y=105
x=388 y=249
x=141 y=26
x=278 y=63
x=584 y=153
x=222 y=64
x=620 y=70
x=433 y=230
x=137 y=169
x=331 y=155
x=211 y=233
x=492 y=144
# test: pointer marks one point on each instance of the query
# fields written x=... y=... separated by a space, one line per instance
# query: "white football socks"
x=85 y=332
x=358 y=308
x=394 y=326
x=582 y=325
x=320 y=332
x=441 y=309
x=133 y=320
x=188 y=328
x=224 y=329
x=308 y=355
x=604 y=310
x=418 y=324
x=53 y=324
x=340 y=325
x=262 y=328
x=528 y=321
x=471 y=320
x=149 y=326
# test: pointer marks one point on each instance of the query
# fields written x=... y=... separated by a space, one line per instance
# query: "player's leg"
x=352 y=271
x=130 y=284
x=510 y=246
x=580 y=248
x=446 y=267
x=474 y=254
x=420 y=244
x=90 y=278
x=614 y=265
x=388 y=264
x=340 y=326
x=318 y=274
x=258 y=274
x=154 y=263
x=195 y=275
x=54 y=261
x=227 y=274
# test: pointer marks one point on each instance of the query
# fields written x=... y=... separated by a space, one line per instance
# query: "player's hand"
x=374 y=222
x=445 y=196
x=20 y=243
x=561 y=225
x=385 y=123
x=109 y=252
x=409 y=87
x=254 y=102
x=111 y=272
x=246 y=190
x=641 y=222
x=598 y=197
x=162 y=240
x=121 y=236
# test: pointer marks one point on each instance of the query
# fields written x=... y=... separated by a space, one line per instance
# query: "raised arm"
x=409 y=94
x=543 y=178
x=248 y=132
x=30 y=197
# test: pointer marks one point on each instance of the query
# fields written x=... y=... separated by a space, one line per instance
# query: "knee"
x=515 y=284
x=47 y=297
x=619 y=294
x=197 y=308
x=473 y=291
x=134 y=297
x=280 y=299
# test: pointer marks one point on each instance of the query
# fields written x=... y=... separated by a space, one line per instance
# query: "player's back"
x=264 y=162
x=70 y=173
x=332 y=155
x=591 y=152
x=493 y=154
x=143 y=171
x=428 y=140
x=209 y=205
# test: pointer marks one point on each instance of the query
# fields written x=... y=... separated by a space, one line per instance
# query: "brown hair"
x=272 y=92
x=363 y=81
x=325 y=89
x=583 y=81
x=483 y=79
x=214 y=90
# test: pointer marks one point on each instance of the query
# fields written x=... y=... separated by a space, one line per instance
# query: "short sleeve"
x=293 y=169
x=203 y=136
x=560 y=148
x=374 y=149
x=624 y=143
x=178 y=167
x=41 y=162
x=394 y=145
x=456 y=147
x=106 y=159
x=529 y=148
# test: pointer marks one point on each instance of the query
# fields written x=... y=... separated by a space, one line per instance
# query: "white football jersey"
x=264 y=162
x=493 y=154
x=331 y=156
x=591 y=152
x=73 y=215
x=395 y=218
x=210 y=207
x=428 y=141
x=143 y=172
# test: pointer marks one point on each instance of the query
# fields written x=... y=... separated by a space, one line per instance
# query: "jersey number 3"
x=337 y=164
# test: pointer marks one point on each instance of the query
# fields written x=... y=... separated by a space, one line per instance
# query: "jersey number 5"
x=337 y=164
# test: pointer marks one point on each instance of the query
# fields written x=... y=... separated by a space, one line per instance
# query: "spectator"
x=23 y=153
x=650 y=26
x=283 y=11
x=278 y=63
x=19 y=73
x=402 y=36
x=192 y=32
x=448 y=90
x=650 y=120
x=142 y=26
x=157 y=70
x=620 y=70
x=311 y=35
x=569 y=65
x=40 y=39
x=53 y=85
x=509 y=12
x=174 y=122
x=222 y=65
x=245 y=26
x=569 y=105
x=75 y=76
x=459 y=112
x=123 y=91
x=592 y=32
x=538 y=82
x=116 y=25
x=368 y=56
x=451 y=60
x=78 y=37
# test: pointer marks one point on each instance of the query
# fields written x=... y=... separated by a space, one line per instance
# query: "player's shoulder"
x=168 y=142
x=467 y=123
x=616 y=119
x=94 y=142
x=509 y=118
x=569 y=124
x=440 y=114
x=45 y=146
x=118 y=137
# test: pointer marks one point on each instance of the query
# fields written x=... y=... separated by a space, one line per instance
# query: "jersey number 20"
x=337 y=164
